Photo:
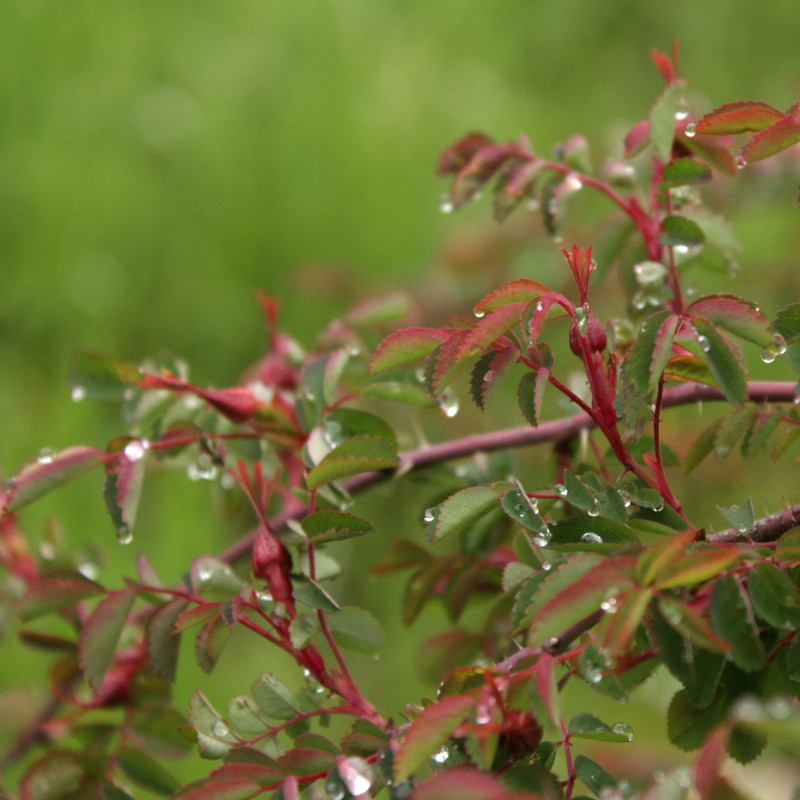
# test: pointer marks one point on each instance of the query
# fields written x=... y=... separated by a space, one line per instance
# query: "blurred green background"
x=161 y=160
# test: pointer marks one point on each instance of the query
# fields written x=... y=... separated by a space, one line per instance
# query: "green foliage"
x=598 y=575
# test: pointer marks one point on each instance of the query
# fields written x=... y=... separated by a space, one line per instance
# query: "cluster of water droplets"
x=778 y=348
x=135 y=449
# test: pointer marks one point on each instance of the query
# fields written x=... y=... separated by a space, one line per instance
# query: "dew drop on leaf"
x=205 y=572
x=429 y=515
x=446 y=205
x=623 y=729
x=448 y=402
x=124 y=534
x=741 y=162
x=691 y=129
x=135 y=449
x=546 y=566
x=45 y=456
x=594 y=509
x=609 y=605
x=542 y=539
x=590 y=537
x=683 y=111
x=780 y=344
x=703 y=342
x=625 y=497
x=561 y=490
x=219 y=728
x=440 y=756
x=78 y=393
x=767 y=356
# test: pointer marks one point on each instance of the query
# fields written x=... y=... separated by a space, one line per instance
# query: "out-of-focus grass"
x=159 y=161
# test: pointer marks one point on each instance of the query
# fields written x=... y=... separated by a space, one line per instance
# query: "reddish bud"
x=272 y=563
x=575 y=340
x=596 y=335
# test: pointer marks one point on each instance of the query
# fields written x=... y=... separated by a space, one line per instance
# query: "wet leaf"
x=214 y=578
x=587 y=726
x=724 y=361
x=356 y=629
x=781 y=134
x=662 y=118
x=593 y=775
x=46 y=474
x=522 y=290
x=404 y=347
x=329 y=526
x=489 y=328
x=122 y=487
x=356 y=455
x=458 y=155
x=530 y=394
x=428 y=732
x=488 y=370
x=681 y=171
x=590 y=531
x=691 y=625
x=473 y=176
x=273 y=698
x=741 y=517
x=101 y=632
x=735 y=315
x=345 y=423
x=696 y=567
x=55 y=589
x=210 y=641
x=245 y=717
x=463 y=509
x=94 y=376
x=743 y=116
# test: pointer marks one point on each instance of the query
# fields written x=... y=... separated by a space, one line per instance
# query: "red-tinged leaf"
x=536 y=314
x=428 y=732
x=484 y=163
x=58 y=773
x=266 y=774
x=637 y=138
x=708 y=764
x=657 y=557
x=459 y=154
x=517 y=180
x=48 y=473
x=662 y=118
x=688 y=368
x=487 y=372
x=546 y=690
x=122 y=487
x=780 y=135
x=400 y=555
x=689 y=624
x=238 y=404
x=444 y=362
x=219 y=789
x=646 y=360
x=736 y=315
x=724 y=361
x=625 y=619
x=715 y=155
x=147 y=575
x=463 y=509
x=663 y=64
x=352 y=457
x=55 y=589
x=210 y=641
x=302 y=761
x=603 y=583
x=384 y=308
x=163 y=642
x=696 y=567
x=197 y=616
x=101 y=632
x=743 y=116
x=466 y=783
x=788 y=547
x=681 y=171
x=489 y=328
x=518 y=291
x=530 y=393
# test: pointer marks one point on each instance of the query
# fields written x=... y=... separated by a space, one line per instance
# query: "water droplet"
x=553 y=641
x=594 y=509
x=533 y=204
x=704 y=343
x=682 y=111
x=779 y=707
x=204 y=469
x=227 y=481
x=625 y=497
x=45 y=456
x=219 y=728
x=572 y=183
x=448 y=402
x=546 y=566
x=204 y=572
x=561 y=490
x=488 y=376
x=659 y=506
x=192 y=402
x=672 y=613
x=263 y=597
x=480 y=314
x=441 y=755
x=135 y=449
x=691 y=129
x=539 y=305
x=124 y=534
x=623 y=729
x=581 y=318
x=47 y=551
x=88 y=570
x=741 y=162
x=446 y=204
x=78 y=393
x=767 y=356
x=482 y=715
x=542 y=539
x=590 y=537
x=609 y=605
x=429 y=515
x=780 y=344
x=558 y=238
x=333 y=432
x=592 y=672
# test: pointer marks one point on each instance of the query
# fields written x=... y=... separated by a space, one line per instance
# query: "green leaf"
x=758 y=434
x=681 y=171
x=688 y=368
x=696 y=567
x=49 y=472
x=274 y=700
x=724 y=361
x=518 y=507
x=163 y=641
x=462 y=509
x=55 y=775
x=386 y=307
x=488 y=371
x=689 y=624
x=329 y=526
x=522 y=290
x=733 y=620
x=101 y=632
x=740 y=517
x=145 y=771
x=94 y=376
x=356 y=455
x=688 y=727
x=428 y=732
x=775 y=597
x=593 y=775
x=587 y=726
x=735 y=315
x=209 y=643
x=680 y=232
x=743 y=116
x=214 y=738
x=245 y=717
x=787 y=322
x=55 y=589
x=781 y=134
x=411 y=394
x=658 y=557
x=312 y=594
x=122 y=486
x=788 y=546
x=701 y=447
x=662 y=119
x=214 y=578
x=345 y=423
x=594 y=532
x=404 y=347
x=489 y=328
x=356 y=629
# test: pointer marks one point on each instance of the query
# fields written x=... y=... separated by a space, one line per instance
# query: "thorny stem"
x=568 y=757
